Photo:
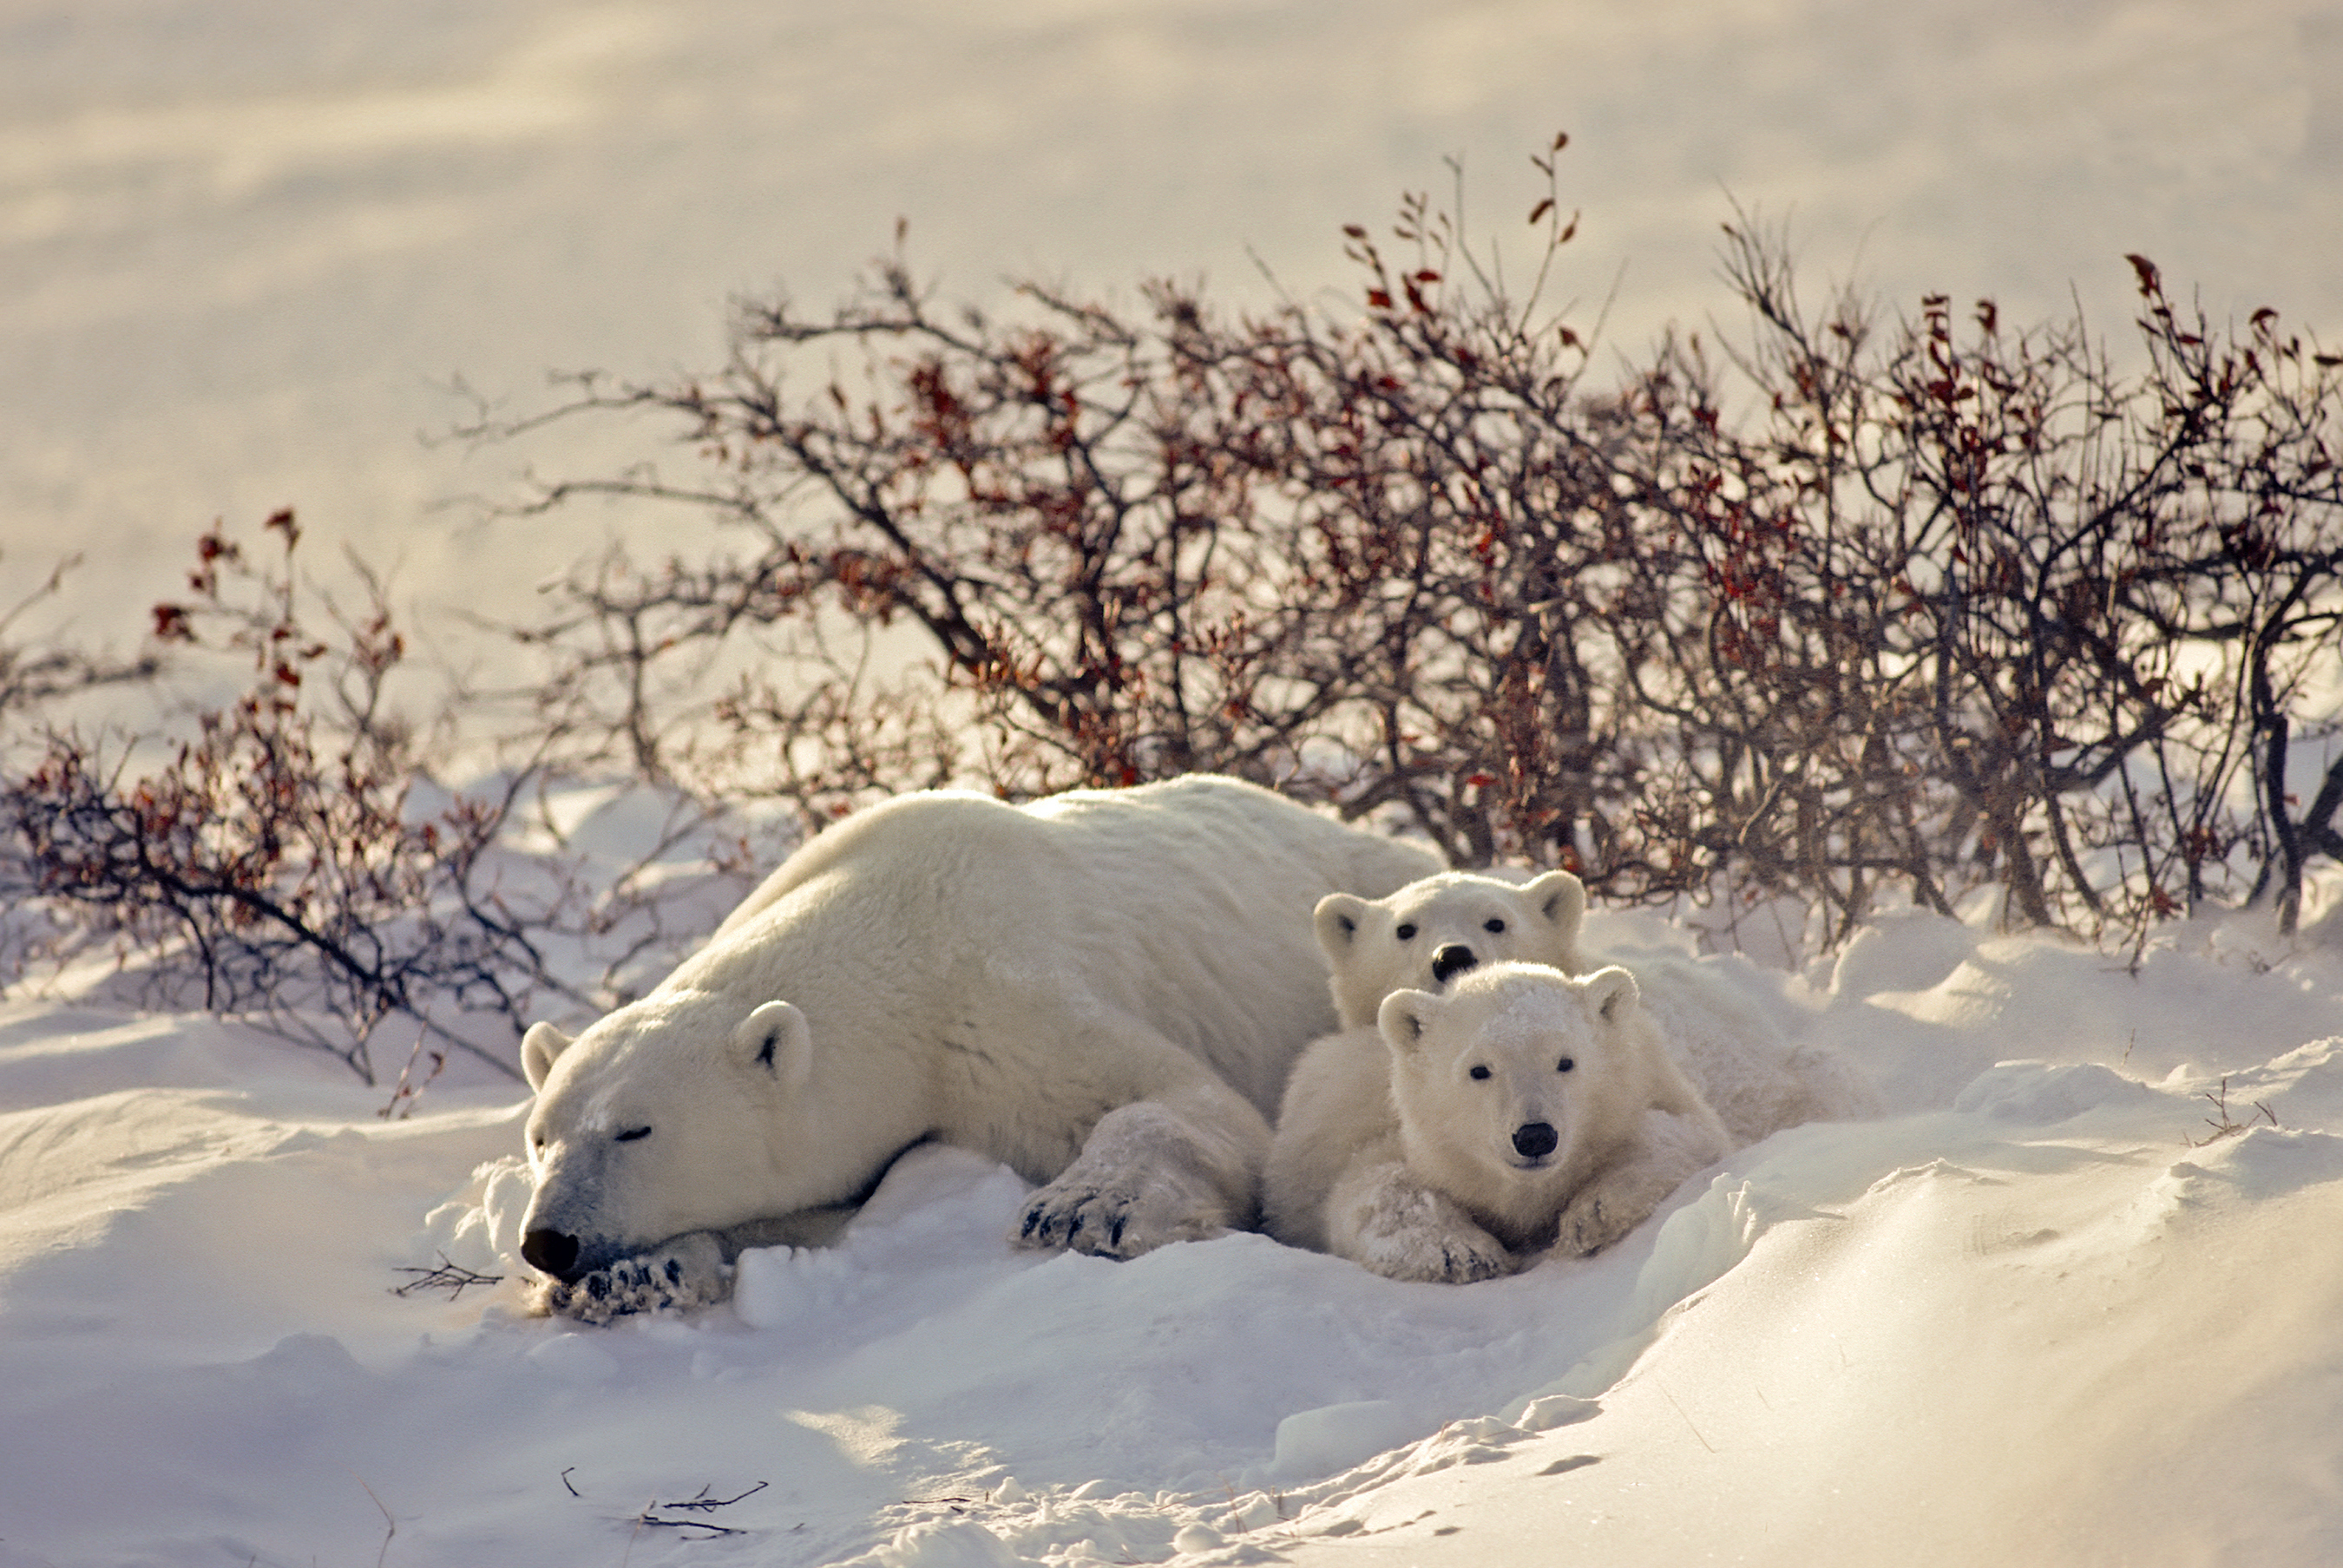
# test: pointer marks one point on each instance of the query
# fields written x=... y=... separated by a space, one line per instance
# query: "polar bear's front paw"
x=1403 y=1232
x=689 y=1271
x=1447 y=1257
x=1607 y=1210
x=1672 y=1146
x=1116 y=1217
x=1589 y=1224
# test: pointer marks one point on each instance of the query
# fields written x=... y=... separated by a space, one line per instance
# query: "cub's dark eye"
x=1405 y=933
x=632 y=1133
x=1564 y=1065
x=1479 y=1072
x=1492 y=925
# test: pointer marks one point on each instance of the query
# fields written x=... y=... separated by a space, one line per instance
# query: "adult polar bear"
x=1103 y=989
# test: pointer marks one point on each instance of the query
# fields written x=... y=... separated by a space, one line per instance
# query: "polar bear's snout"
x=566 y=1231
x=1535 y=1139
x=1453 y=959
x=552 y=1252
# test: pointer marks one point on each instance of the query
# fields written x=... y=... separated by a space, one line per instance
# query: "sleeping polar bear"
x=1104 y=990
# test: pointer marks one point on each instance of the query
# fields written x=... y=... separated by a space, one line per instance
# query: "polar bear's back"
x=1185 y=904
x=1206 y=887
x=1758 y=1081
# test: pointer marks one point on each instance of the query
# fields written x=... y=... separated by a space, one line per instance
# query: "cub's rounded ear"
x=1613 y=993
x=1404 y=1017
x=1338 y=918
x=1560 y=901
x=777 y=1038
x=538 y=1047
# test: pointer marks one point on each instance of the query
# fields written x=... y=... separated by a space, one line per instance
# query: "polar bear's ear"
x=538 y=1047
x=1404 y=1016
x=777 y=1038
x=1613 y=993
x=1559 y=899
x=1338 y=917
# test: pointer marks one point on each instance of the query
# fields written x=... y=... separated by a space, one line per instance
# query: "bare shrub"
x=36 y=674
x=269 y=863
x=1973 y=607
x=1347 y=559
x=1837 y=610
x=1846 y=609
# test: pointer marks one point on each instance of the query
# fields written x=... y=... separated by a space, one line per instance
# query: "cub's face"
x=1429 y=932
x=663 y=1118
x=1511 y=1073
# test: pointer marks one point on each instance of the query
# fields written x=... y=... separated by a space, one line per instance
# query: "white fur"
x=1104 y=989
x=1738 y=1059
x=1374 y=947
x=1391 y=1151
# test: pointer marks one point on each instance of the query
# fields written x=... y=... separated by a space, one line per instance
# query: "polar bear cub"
x=1439 y=927
x=1525 y=1110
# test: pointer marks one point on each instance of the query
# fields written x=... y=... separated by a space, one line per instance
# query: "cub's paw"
x=689 y=1271
x=1602 y=1214
x=1674 y=1147
x=1589 y=1224
x=1442 y=1257
x=1117 y=1217
x=1403 y=1230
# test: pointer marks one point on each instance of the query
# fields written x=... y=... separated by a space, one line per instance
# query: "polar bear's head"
x=1433 y=929
x=679 y=1114
x=1516 y=1084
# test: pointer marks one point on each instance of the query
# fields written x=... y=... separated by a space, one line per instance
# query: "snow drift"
x=2078 y=1298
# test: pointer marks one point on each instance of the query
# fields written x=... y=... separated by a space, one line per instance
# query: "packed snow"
x=2078 y=1298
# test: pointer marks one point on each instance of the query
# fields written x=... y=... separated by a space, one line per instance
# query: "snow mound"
x=2076 y=1299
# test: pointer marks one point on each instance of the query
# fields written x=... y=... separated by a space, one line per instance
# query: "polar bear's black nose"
x=557 y=1254
x=1532 y=1139
x=1454 y=957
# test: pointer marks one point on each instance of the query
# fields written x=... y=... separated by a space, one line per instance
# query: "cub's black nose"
x=1532 y=1141
x=1454 y=957
x=557 y=1254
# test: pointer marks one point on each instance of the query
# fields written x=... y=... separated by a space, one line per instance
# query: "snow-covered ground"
x=2040 y=1313
x=2031 y=1317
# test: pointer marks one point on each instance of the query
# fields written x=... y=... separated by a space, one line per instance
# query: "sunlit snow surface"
x=2030 y=1316
x=248 y=244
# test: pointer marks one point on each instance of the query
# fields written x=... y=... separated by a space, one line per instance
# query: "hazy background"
x=246 y=245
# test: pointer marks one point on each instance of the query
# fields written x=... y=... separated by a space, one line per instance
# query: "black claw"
x=598 y=1286
x=675 y=1271
x=1114 y=1232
